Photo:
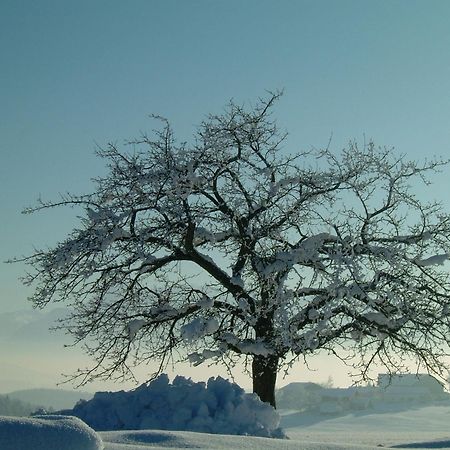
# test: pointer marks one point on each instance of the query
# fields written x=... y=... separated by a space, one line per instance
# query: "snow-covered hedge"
x=217 y=406
x=47 y=433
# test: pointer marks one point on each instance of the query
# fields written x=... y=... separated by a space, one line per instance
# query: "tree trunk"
x=264 y=374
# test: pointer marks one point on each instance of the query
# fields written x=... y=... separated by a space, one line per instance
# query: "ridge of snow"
x=53 y=432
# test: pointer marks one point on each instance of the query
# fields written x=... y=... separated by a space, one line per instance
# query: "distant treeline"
x=13 y=407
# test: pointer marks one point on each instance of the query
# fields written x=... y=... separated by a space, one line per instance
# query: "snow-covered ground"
x=422 y=428
x=164 y=440
x=183 y=414
x=47 y=433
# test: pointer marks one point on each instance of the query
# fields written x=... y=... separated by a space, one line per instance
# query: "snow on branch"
x=432 y=260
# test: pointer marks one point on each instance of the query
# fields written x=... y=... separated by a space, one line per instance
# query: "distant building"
x=300 y=396
x=409 y=387
x=393 y=389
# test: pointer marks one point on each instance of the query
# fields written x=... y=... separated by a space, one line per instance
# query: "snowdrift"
x=217 y=406
x=171 y=440
x=47 y=433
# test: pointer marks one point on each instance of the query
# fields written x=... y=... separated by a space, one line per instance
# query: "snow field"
x=407 y=427
x=47 y=433
x=164 y=440
x=419 y=428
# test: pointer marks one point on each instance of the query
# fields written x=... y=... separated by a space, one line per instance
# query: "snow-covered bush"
x=217 y=406
x=47 y=433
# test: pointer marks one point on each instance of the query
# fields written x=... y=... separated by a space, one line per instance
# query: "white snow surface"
x=134 y=326
x=217 y=406
x=435 y=260
x=420 y=428
x=378 y=318
x=394 y=426
x=256 y=348
x=47 y=433
x=198 y=328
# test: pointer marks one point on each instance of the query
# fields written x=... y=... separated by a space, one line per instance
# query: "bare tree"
x=230 y=247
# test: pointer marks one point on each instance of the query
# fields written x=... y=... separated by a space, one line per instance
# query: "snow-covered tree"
x=230 y=247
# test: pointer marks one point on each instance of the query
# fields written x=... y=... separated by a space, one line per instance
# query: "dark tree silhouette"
x=229 y=247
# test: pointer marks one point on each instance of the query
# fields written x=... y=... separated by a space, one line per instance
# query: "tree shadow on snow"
x=163 y=439
x=294 y=419
x=306 y=418
x=432 y=444
x=301 y=418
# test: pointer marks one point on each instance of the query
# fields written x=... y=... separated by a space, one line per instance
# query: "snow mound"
x=47 y=433
x=217 y=406
x=171 y=440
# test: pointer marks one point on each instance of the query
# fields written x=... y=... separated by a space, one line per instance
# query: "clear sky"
x=77 y=74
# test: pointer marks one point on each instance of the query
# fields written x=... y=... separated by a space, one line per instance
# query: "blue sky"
x=77 y=74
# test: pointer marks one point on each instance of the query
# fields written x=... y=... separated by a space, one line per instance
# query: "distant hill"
x=54 y=399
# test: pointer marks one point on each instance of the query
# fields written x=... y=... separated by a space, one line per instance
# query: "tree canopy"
x=230 y=246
